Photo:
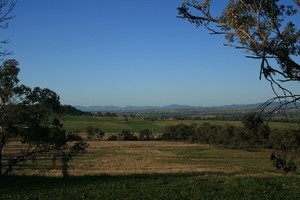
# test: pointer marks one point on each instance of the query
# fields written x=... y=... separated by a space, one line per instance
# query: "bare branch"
x=6 y=15
x=6 y=9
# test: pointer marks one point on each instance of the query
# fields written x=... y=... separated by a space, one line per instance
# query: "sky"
x=135 y=52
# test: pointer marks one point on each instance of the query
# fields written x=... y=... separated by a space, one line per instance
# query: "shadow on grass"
x=14 y=179
x=150 y=186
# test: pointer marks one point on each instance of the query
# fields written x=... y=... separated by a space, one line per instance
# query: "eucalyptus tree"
x=25 y=122
x=263 y=29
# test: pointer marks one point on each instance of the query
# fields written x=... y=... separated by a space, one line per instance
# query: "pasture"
x=117 y=124
x=159 y=157
x=152 y=169
x=157 y=170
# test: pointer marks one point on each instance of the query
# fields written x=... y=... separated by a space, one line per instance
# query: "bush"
x=180 y=132
x=112 y=138
x=145 y=135
x=282 y=162
x=128 y=135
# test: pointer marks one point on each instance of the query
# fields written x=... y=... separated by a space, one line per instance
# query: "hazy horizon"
x=173 y=104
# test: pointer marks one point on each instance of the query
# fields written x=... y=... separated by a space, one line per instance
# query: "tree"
x=90 y=131
x=68 y=109
x=297 y=2
x=25 y=121
x=264 y=29
x=128 y=135
x=67 y=146
x=93 y=132
x=179 y=132
x=256 y=131
x=286 y=145
x=99 y=133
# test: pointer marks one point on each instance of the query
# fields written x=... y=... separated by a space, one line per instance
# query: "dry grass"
x=158 y=157
x=168 y=157
x=137 y=158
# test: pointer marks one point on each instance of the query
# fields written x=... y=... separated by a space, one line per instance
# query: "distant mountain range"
x=169 y=107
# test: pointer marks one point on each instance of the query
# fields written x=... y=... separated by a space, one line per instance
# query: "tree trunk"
x=1 y=165
x=64 y=166
x=0 y=161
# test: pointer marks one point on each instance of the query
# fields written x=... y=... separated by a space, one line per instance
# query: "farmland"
x=158 y=170
x=117 y=124
x=153 y=169
x=161 y=157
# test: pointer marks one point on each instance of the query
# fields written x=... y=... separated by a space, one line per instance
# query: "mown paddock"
x=157 y=157
x=141 y=157
x=161 y=157
x=158 y=170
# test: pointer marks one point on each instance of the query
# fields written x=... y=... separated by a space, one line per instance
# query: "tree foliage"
x=145 y=135
x=264 y=29
x=180 y=132
x=25 y=121
x=255 y=135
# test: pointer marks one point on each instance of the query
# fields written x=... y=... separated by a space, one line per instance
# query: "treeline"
x=70 y=110
x=125 y=135
x=230 y=136
x=254 y=133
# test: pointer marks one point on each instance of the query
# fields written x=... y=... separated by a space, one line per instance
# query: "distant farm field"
x=117 y=124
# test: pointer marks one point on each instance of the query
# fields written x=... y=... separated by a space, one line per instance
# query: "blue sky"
x=137 y=52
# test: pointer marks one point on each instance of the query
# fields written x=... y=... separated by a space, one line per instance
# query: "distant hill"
x=68 y=109
x=133 y=108
x=168 y=107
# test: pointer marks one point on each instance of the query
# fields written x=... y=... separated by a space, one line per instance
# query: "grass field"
x=153 y=169
x=151 y=187
x=117 y=158
x=158 y=170
x=113 y=125
x=159 y=157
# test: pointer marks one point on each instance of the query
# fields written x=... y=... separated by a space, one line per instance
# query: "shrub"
x=145 y=135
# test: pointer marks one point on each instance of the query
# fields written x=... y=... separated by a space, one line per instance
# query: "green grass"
x=157 y=170
x=79 y=123
x=159 y=186
x=244 y=161
x=112 y=125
